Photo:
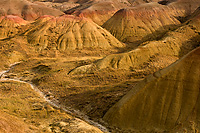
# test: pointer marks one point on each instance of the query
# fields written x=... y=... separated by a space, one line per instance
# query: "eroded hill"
x=173 y=45
x=148 y=21
x=164 y=101
x=86 y=69
x=79 y=33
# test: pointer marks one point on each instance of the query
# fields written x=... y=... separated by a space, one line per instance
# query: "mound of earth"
x=174 y=44
x=148 y=21
x=165 y=101
x=68 y=33
x=26 y=9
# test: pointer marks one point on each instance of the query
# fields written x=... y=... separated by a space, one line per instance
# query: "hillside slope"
x=98 y=11
x=68 y=33
x=174 y=44
x=10 y=124
x=148 y=21
x=167 y=99
x=9 y=24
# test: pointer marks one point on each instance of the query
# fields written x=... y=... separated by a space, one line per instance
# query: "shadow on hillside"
x=189 y=45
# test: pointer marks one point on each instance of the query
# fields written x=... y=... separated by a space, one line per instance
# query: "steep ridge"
x=167 y=100
x=174 y=44
x=148 y=21
x=78 y=33
x=26 y=9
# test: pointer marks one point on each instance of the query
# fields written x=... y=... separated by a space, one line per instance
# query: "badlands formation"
x=79 y=33
x=148 y=21
x=99 y=66
x=166 y=100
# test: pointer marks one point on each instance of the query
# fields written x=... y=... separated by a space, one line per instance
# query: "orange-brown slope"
x=68 y=33
x=167 y=100
x=25 y=9
x=148 y=21
x=10 y=124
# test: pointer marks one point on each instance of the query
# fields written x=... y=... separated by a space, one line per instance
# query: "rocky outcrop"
x=163 y=101
x=26 y=9
x=148 y=21
x=175 y=44
x=69 y=33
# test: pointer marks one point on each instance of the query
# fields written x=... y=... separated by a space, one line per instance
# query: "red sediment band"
x=15 y=19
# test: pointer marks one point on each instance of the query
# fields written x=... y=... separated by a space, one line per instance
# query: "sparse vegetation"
x=130 y=76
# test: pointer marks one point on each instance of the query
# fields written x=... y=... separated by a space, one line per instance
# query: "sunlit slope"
x=69 y=33
x=148 y=21
x=174 y=44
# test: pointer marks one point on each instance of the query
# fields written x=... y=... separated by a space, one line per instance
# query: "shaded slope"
x=148 y=21
x=69 y=33
x=25 y=9
x=166 y=99
x=174 y=44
